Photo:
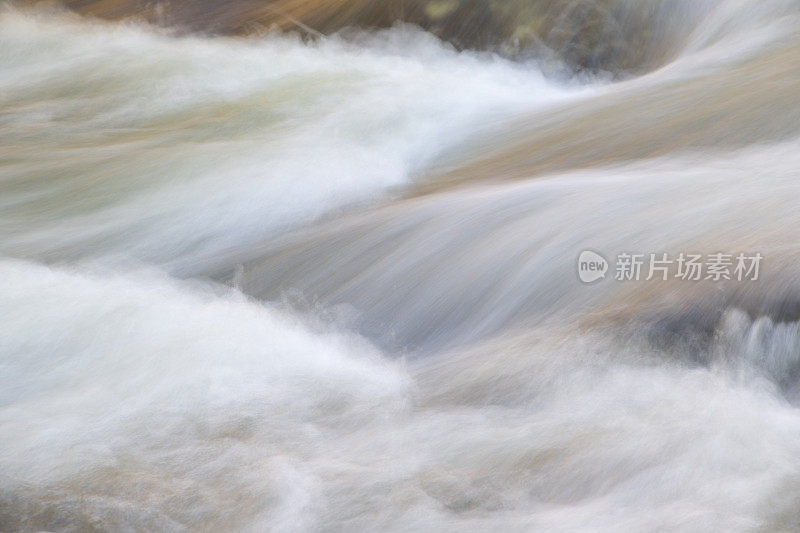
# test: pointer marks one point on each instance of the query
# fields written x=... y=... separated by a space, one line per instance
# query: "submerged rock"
x=615 y=36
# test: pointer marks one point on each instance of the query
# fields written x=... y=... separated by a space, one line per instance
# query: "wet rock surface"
x=614 y=36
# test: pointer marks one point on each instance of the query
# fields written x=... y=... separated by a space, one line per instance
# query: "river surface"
x=271 y=283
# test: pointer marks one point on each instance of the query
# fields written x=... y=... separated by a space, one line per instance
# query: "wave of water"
x=280 y=284
x=180 y=150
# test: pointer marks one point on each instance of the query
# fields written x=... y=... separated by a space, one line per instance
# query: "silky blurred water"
x=279 y=284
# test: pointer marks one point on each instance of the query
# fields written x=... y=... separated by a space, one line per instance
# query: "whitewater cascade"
x=273 y=283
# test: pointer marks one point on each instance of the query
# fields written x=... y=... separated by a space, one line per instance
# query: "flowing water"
x=270 y=283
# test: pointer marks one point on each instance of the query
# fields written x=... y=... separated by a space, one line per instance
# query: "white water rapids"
x=270 y=284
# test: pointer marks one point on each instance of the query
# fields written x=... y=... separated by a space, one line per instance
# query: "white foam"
x=174 y=150
x=92 y=365
x=133 y=401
